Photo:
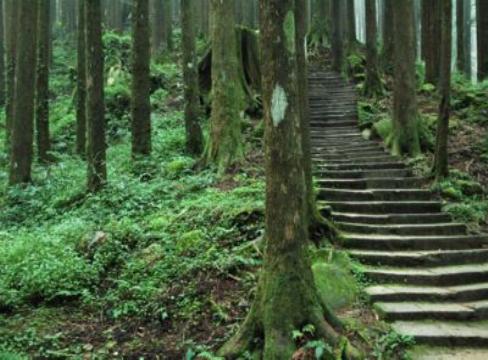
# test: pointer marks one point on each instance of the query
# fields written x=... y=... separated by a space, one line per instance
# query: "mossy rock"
x=335 y=282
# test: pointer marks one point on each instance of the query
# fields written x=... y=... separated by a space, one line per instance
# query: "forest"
x=244 y=179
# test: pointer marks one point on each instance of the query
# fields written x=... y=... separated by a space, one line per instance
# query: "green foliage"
x=392 y=344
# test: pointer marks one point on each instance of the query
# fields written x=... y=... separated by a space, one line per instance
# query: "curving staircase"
x=430 y=275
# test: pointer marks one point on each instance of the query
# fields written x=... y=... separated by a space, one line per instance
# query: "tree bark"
x=372 y=86
x=141 y=79
x=482 y=30
x=23 y=120
x=431 y=37
x=441 y=166
x=157 y=28
x=81 y=82
x=42 y=80
x=96 y=147
x=224 y=147
x=405 y=134
x=286 y=297
x=2 y=55
x=388 y=49
x=168 y=24
x=194 y=137
x=337 y=36
x=11 y=25
x=351 y=25
x=460 y=27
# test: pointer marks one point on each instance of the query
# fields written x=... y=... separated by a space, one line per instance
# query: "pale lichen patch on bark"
x=279 y=104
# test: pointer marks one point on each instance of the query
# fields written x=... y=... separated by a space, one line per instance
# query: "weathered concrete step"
x=361 y=174
x=391 y=218
x=392 y=293
x=393 y=311
x=416 y=258
x=334 y=137
x=445 y=333
x=376 y=159
x=385 y=207
x=351 y=150
x=413 y=242
x=364 y=166
x=332 y=194
x=338 y=129
x=437 y=276
x=383 y=183
x=334 y=123
x=370 y=153
x=404 y=229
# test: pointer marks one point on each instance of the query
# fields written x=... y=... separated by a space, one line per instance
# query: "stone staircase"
x=430 y=276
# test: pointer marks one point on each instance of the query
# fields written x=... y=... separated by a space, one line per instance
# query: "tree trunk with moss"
x=25 y=74
x=42 y=81
x=11 y=24
x=224 y=147
x=388 y=47
x=372 y=86
x=168 y=24
x=351 y=25
x=96 y=147
x=431 y=37
x=194 y=137
x=81 y=82
x=337 y=36
x=286 y=298
x=441 y=166
x=141 y=79
x=460 y=36
x=405 y=139
x=482 y=30
x=2 y=56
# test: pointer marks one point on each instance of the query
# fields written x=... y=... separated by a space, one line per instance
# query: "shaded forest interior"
x=243 y=179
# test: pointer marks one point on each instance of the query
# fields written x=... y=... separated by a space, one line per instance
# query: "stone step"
x=364 y=166
x=381 y=158
x=332 y=194
x=361 y=174
x=361 y=153
x=413 y=242
x=334 y=123
x=404 y=229
x=391 y=293
x=385 y=207
x=391 y=218
x=394 y=311
x=383 y=183
x=416 y=258
x=437 y=276
x=351 y=150
x=445 y=333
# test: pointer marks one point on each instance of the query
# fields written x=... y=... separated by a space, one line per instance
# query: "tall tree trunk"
x=224 y=146
x=373 y=85
x=96 y=147
x=23 y=120
x=337 y=36
x=81 y=82
x=388 y=49
x=482 y=21
x=441 y=166
x=194 y=138
x=42 y=81
x=405 y=134
x=351 y=25
x=286 y=297
x=141 y=79
x=168 y=24
x=321 y=23
x=460 y=27
x=467 y=38
x=68 y=15
x=2 y=56
x=431 y=37
x=158 y=27
x=11 y=24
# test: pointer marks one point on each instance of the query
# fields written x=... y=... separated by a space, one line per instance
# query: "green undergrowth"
x=151 y=247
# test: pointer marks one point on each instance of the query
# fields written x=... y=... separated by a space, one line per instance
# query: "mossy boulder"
x=335 y=282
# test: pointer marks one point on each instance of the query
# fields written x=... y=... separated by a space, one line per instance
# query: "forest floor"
x=162 y=264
